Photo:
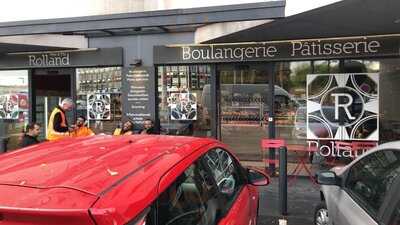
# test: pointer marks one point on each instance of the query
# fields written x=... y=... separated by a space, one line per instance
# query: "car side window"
x=372 y=177
x=226 y=172
x=190 y=200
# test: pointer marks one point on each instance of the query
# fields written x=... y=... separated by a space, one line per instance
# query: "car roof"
x=93 y=164
x=389 y=145
x=394 y=145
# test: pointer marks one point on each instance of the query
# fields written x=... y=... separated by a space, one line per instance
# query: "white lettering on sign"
x=312 y=48
x=332 y=150
x=316 y=48
x=345 y=106
x=239 y=53
x=49 y=60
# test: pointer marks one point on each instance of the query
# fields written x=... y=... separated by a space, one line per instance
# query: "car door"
x=192 y=199
x=366 y=185
x=239 y=203
x=391 y=213
x=395 y=217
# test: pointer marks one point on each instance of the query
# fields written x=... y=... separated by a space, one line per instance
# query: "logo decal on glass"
x=343 y=106
x=99 y=106
x=9 y=106
x=183 y=106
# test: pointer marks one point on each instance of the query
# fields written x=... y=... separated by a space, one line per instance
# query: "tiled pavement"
x=303 y=196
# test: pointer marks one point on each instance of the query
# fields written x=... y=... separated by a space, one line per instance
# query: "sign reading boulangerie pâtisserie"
x=282 y=50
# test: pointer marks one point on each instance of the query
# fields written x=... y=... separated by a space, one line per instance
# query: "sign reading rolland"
x=49 y=60
x=64 y=58
x=282 y=50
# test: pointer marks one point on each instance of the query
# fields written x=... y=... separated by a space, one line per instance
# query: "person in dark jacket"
x=148 y=127
x=31 y=134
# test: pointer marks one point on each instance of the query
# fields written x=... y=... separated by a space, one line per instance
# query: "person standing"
x=58 y=124
x=80 y=129
x=148 y=127
x=31 y=134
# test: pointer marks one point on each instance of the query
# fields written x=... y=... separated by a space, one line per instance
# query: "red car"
x=127 y=180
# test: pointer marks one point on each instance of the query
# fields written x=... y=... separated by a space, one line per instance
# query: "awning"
x=149 y=22
x=44 y=42
x=346 y=18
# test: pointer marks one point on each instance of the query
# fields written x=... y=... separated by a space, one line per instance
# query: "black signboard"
x=138 y=94
x=67 y=58
x=377 y=46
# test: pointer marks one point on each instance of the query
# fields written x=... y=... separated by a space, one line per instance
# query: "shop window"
x=389 y=93
x=14 y=107
x=99 y=97
x=183 y=93
x=244 y=110
x=334 y=66
x=321 y=66
x=290 y=112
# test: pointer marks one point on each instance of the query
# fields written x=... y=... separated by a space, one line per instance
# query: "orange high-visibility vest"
x=53 y=135
x=82 y=132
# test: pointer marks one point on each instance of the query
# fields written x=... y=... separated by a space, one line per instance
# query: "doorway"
x=244 y=107
x=49 y=88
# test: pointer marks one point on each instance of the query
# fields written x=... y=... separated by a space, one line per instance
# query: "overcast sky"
x=15 y=10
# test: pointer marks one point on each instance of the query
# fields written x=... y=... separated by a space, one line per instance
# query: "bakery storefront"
x=105 y=63
x=33 y=83
x=311 y=92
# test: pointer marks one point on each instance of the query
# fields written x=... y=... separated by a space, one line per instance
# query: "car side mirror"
x=257 y=178
x=327 y=178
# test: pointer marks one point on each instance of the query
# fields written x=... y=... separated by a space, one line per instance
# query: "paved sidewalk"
x=303 y=196
x=290 y=167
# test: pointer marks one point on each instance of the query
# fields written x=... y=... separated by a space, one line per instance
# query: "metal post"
x=283 y=180
x=46 y=108
x=214 y=109
x=271 y=115
x=88 y=113
x=32 y=98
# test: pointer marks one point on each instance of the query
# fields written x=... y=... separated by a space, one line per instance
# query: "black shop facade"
x=311 y=92
x=33 y=83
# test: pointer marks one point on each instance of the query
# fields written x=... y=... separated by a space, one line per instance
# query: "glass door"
x=243 y=108
x=50 y=89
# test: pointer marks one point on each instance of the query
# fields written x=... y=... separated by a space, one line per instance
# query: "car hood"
x=25 y=197
x=88 y=166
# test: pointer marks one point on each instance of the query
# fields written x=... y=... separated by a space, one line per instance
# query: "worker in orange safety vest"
x=57 y=127
x=80 y=128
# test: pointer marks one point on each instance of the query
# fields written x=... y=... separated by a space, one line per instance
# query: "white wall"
x=17 y=10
